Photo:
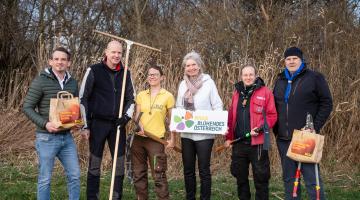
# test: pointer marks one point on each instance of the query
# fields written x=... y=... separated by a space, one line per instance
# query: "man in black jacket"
x=298 y=91
x=100 y=95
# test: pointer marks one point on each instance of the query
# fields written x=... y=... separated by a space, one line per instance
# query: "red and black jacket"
x=261 y=99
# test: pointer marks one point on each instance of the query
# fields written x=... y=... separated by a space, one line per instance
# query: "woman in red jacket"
x=245 y=123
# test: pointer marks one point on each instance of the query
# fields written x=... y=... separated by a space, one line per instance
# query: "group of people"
x=298 y=91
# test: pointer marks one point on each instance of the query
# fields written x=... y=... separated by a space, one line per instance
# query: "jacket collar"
x=118 y=67
x=50 y=74
x=282 y=74
x=162 y=91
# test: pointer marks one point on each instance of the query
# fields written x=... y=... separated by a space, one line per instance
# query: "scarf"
x=290 y=78
x=247 y=92
x=192 y=87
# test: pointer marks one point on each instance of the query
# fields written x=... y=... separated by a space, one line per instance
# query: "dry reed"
x=341 y=151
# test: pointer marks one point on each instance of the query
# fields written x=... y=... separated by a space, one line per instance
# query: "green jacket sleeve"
x=32 y=99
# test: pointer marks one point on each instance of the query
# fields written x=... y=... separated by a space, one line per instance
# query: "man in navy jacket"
x=100 y=95
x=298 y=91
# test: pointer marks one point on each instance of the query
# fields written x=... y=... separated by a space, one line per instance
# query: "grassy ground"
x=19 y=182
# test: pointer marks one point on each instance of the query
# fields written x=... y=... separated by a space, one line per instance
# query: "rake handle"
x=164 y=142
x=220 y=148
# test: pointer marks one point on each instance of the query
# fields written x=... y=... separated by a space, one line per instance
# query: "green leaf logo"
x=177 y=119
x=180 y=121
x=189 y=123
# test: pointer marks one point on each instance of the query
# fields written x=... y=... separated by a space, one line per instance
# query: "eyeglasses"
x=153 y=75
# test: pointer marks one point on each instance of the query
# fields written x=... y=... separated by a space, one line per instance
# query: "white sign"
x=199 y=121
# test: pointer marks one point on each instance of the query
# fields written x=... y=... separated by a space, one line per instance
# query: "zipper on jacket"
x=113 y=84
x=287 y=120
x=114 y=101
x=297 y=83
x=244 y=118
x=287 y=108
x=112 y=76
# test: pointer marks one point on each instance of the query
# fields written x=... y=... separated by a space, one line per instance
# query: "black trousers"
x=100 y=132
x=242 y=155
x=201 y=149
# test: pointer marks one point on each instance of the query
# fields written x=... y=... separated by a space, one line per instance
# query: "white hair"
x=196 y=57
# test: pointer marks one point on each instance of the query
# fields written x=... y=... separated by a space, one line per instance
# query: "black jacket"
x=309 y=94
x=100 y=93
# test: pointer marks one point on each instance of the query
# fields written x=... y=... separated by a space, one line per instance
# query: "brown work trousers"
x=142 y=150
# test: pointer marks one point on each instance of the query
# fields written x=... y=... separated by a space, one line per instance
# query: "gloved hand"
x=122 y=121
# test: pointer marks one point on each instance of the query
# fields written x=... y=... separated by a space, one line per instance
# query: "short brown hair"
x=62 y=49
x=156 y=67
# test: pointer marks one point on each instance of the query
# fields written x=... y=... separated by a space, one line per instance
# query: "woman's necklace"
x=151 y=105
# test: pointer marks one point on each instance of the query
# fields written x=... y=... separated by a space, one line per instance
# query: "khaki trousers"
x=142 y=150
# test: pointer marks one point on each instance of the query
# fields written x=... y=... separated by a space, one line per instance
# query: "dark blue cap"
x=293 y=51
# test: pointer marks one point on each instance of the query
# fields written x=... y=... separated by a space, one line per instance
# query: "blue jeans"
x=289 y=167
x=62 y=146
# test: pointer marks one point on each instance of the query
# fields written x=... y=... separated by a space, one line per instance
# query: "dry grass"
x=17 y=133
x=227 y=40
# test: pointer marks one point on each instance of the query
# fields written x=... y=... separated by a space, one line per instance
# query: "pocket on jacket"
x=258 y=106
